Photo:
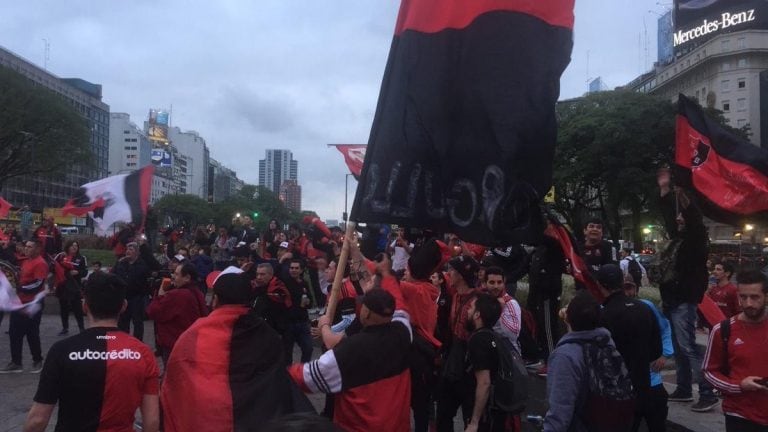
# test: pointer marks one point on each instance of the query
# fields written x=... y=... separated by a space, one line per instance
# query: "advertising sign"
x=161 y=158
x=60 y=219
x=698 y=20
x=158 y=125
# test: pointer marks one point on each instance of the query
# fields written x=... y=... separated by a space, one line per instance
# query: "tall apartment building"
x=290 y=194
x=222 y=182
x=129 y=147
x=85 y=98
x=194 y=161
x=276 y=167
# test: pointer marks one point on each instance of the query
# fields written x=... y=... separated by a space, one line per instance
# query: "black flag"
x=464 y=132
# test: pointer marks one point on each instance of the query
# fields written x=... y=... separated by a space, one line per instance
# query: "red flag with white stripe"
x=354 y=155
x=120 y=198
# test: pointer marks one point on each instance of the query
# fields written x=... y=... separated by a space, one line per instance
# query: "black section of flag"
x=464 y=132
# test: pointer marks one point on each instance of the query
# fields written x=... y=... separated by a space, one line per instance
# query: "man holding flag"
x=25 y=322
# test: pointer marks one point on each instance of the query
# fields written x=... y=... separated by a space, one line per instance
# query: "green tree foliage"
x=254 y=199
x=189 y=210
x=610 y=145
x=40 y=133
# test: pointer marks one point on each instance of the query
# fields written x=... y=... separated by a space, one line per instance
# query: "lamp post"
x=346 y=194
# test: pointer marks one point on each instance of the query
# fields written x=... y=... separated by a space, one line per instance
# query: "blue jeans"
x=134 y=313
x=297 y=332
x=688 y=357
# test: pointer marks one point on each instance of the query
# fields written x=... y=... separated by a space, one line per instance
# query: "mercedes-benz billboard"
x=698 y=20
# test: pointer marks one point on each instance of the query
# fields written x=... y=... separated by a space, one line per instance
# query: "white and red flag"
x=120 y=198
x=354 y=155
x=10 y=302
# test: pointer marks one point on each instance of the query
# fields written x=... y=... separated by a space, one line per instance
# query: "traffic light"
x=255 y=215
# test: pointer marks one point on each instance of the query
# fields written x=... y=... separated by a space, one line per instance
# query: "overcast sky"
x=292 y=74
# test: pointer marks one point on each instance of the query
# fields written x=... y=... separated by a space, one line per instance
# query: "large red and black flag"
x=227 y=372
x=728 y=174
x=120 y=198
x=464 y=132
x=5 y=207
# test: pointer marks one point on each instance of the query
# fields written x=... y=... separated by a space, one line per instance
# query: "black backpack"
x=610 y=403
x=509 y=386
x=634 y=270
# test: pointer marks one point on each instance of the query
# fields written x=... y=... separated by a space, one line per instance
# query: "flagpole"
x=330 y=311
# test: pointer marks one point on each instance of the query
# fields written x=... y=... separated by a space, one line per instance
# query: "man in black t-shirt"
x=596 y=251
x=100 y=376
x=483 y=361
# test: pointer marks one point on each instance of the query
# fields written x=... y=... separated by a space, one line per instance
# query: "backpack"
x=610 y=402
x=634 y=270
x=509 y=385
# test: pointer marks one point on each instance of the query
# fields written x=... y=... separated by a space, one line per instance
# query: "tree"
x=610 y=145
x=254 y=199
x=189 y=210
x=40 y=134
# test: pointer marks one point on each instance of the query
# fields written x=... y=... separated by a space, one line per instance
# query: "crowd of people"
x=423 y=325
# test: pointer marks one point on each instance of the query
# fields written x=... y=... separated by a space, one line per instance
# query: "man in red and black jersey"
x=596 y=251
x=367 y=371
x=48 y=236
x=100 y=376
x=34 y=271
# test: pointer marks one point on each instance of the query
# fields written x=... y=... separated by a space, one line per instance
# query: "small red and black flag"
x=728 y=173
x=354 y=155
x=120 y=198
x=464 y=132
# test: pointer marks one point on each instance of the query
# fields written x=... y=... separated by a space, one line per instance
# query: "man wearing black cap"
x=637 y=335
x=367 y=371
x=227 y=370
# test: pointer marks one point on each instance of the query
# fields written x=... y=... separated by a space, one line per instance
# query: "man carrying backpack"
x=588 y=386
x=483 y=361
x=637 y=336
x=630 y=267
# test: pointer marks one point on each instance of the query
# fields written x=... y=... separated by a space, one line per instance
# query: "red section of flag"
x=354 y=155
x=733 y=186
x=430 y=17
x=711 y=311
x=73 y=209
x=145 y=188
x=579 y=269
x=5 y=207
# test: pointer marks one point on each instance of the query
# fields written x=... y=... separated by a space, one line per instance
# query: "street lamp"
x=346 y=194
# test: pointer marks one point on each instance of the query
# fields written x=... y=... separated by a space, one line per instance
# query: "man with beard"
x=483 y=361
x=735 y=361
x=508 y=324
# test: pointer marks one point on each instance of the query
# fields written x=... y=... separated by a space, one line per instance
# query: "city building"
x=290 y=194
x=718 y=55
x=129 y=147
x=222 y=182
x=86 y=99
x=194 y=161
x=276 y=167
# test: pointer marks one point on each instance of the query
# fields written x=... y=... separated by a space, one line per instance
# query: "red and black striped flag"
x=120 y=198
x=464 y=132
x=728 y=173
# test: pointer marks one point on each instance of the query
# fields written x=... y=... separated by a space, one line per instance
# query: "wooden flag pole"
x=333 y=299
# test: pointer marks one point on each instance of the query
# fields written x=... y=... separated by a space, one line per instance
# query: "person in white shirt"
x=400 y=250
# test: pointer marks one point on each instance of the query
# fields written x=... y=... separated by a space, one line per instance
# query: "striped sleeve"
x=713 y=363
x=318 y=376
x=510 y=317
